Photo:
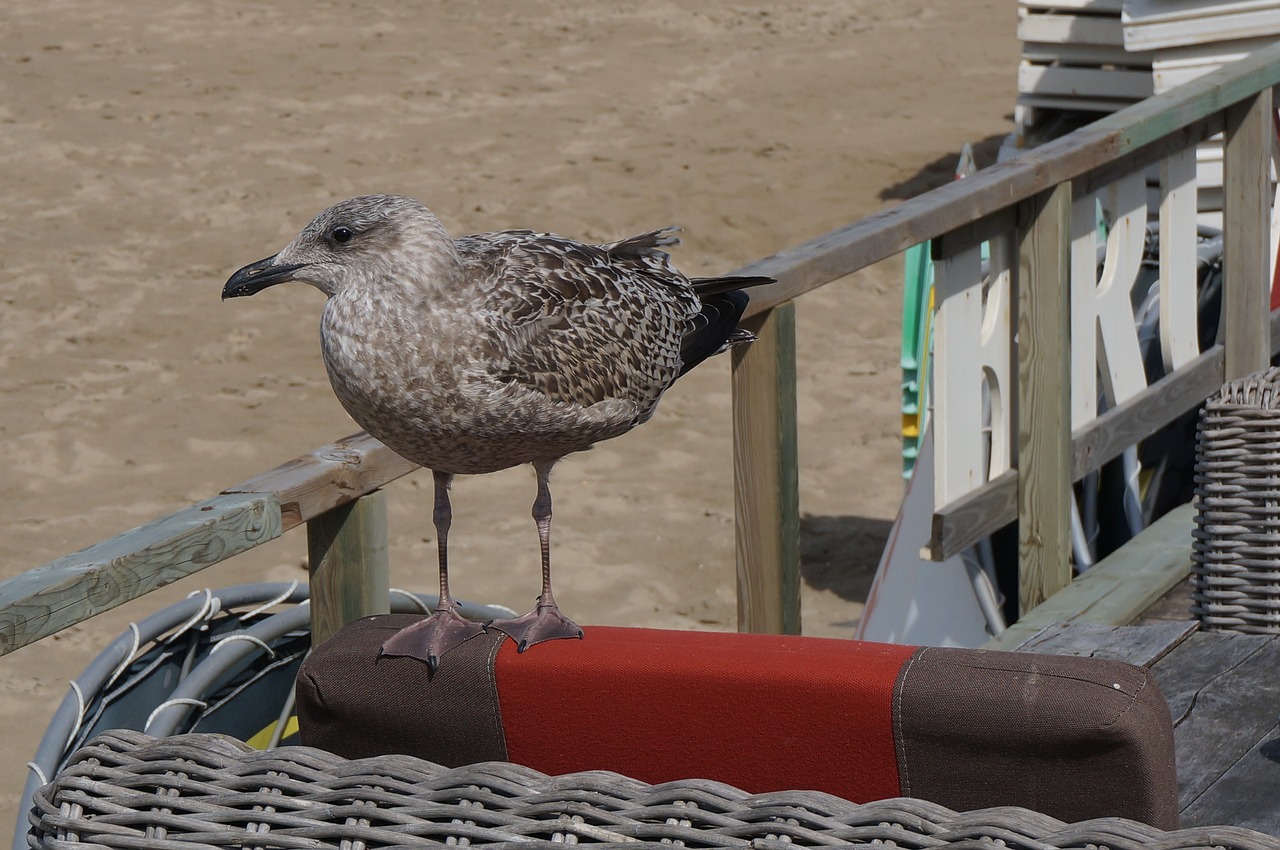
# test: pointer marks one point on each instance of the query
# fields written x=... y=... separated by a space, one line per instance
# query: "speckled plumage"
x=496 y=349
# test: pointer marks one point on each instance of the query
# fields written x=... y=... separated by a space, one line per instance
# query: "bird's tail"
x=715 y=329
x=706 y=286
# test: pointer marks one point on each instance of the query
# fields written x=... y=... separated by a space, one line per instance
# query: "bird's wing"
x=582 y=324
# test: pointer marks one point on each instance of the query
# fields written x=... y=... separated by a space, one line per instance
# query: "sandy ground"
x=151 y=148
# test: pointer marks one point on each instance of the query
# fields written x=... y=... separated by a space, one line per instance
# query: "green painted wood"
x=1043 y=412
x=50 y=598
x=1166 y=113
x=1119 y=587
x=347 y=557
x=766 y=480
x=1146 y=156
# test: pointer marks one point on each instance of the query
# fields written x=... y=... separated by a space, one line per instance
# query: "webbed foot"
x=428 y=640
x=543 y=623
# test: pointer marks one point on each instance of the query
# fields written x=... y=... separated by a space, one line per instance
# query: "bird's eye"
x=342 y=235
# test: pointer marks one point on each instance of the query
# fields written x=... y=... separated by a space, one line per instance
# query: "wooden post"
x=1044 y=395
x=1246 y=234
x=765 y=479
x=347 y=553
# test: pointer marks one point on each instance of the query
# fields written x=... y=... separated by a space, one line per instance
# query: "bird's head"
x=354 y=242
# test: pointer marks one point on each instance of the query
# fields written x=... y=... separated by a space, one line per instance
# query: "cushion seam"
x=900 y=741
x=491 y=665
x=1133 y=701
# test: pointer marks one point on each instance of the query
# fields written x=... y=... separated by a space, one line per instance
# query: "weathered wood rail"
x=333 y=490
x=1025 y=205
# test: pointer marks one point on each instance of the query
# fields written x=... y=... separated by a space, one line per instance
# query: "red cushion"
x=760 y=712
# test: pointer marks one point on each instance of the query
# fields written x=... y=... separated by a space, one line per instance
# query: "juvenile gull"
x=476 y=354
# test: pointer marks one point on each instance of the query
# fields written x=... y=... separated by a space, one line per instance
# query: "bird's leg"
x=431 y=638
x=442 y=519
x=544 y=622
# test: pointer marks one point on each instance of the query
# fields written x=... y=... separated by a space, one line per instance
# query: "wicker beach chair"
x=971 y=749
x=211 y=792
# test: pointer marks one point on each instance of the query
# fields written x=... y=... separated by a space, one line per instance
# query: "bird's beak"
x=256 y=277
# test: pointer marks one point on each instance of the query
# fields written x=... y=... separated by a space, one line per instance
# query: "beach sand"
x=151 y=148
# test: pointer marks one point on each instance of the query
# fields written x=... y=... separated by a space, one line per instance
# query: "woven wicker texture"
x=1236 y=547
x=127 y=790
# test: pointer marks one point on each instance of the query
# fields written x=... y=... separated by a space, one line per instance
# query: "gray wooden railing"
x=1027 y=199
x=335 y=492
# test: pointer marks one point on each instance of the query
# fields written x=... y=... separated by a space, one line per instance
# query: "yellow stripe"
x=260 y=740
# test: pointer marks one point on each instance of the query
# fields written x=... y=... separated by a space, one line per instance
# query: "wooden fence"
x=1030 y=205
x=1027 y=202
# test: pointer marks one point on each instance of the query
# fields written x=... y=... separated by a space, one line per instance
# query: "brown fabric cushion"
x=358 y=705
x=1075 y=738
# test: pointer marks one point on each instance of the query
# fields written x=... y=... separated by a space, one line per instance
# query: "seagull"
x=471 y=355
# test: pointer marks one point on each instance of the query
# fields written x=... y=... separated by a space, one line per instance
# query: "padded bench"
x=1074 y=738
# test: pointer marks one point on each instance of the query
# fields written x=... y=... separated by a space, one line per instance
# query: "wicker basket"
x=200 y=792
x=1236 y=549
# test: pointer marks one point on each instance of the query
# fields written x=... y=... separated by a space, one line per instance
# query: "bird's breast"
x=432 y=395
